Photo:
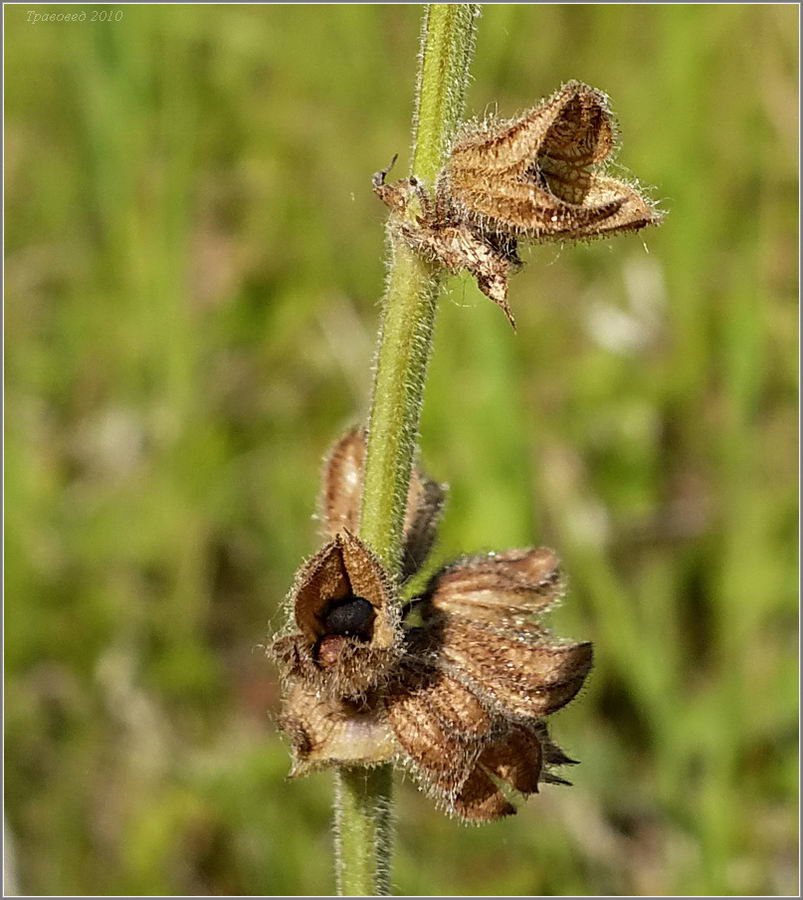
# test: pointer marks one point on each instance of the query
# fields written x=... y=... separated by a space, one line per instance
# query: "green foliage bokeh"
x=194 y=262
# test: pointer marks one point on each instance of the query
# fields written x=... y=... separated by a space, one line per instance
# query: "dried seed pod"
x=464 y=725
x=458 y=700
x=341 y=500
x=536 y=177
x=349 y=635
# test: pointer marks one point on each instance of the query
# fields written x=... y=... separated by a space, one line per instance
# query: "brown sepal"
x=525 y=676
x=514 y=758
x=480 y=800
x=499 y=587
x=440 y=724
x=537 y=175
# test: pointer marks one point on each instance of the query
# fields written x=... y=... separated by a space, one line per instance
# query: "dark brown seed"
x=342 y=570
x=353 y=616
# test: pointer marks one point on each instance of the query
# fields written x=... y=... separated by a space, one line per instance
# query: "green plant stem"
x=408 y=321
x=363 y=830
x=363 y=798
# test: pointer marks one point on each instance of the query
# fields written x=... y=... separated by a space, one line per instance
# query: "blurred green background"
x=194 y=262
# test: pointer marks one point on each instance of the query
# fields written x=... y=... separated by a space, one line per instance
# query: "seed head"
x=459 y=700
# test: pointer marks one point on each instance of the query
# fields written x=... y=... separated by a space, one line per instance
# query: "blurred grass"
x=193 y=265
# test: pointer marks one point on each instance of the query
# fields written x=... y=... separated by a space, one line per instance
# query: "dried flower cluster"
x=454 y=687
x=537 y=177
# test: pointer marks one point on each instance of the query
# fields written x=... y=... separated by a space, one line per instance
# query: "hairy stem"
x=408 y=321
x=363 y=830
x=363 y=801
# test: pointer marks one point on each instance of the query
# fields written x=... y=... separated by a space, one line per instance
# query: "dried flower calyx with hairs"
x=537 y=177
x=453 y=687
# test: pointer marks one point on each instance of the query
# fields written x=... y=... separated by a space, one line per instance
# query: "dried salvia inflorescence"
x=457 y=691
x=537 y=177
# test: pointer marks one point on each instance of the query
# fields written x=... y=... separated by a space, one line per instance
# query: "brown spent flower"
x=459 y=698
x=536 y=177
x=477 y=679
x=347 y=636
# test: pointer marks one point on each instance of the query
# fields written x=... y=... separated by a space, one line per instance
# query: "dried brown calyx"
x=345 y=639
x=538 y=177
x=479 y=676
x=341 y=500
x=349 y=635
x=458 y=691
